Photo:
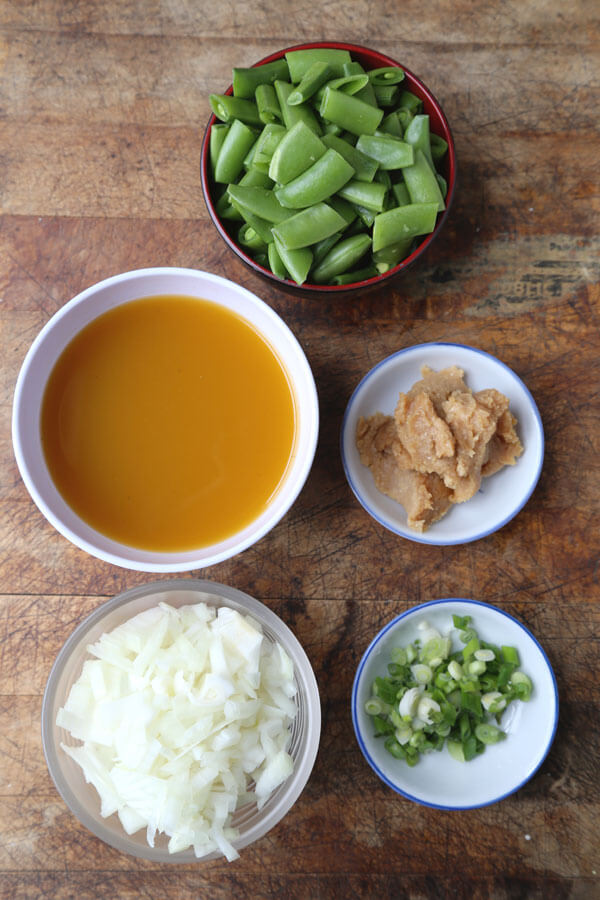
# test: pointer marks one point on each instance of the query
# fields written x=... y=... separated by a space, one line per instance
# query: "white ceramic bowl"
x=500 y=497
x=82 y=799
x=437 y=779
x=77 y=313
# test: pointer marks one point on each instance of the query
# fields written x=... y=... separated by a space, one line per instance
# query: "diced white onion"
x=180 y=713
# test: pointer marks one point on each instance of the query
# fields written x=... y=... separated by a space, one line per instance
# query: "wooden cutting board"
x=103 y=107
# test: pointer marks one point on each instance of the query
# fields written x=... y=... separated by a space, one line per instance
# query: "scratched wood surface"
x=102 y=108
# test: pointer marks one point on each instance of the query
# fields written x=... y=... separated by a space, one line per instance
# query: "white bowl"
x=88 y=305
x=83 y=800
x=500 y=497
x=437 y=779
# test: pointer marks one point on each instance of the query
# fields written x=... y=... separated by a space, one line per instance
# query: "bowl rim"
x=418 y=537
x=227 y=595
x=170 y=561
x=369 y=283
x=359 y=672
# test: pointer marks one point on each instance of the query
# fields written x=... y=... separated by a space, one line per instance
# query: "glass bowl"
x=83 y=800
x=369 y=59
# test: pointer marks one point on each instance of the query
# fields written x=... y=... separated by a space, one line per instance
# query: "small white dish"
x=75 y=315
x=437 y=779
x=501 y=496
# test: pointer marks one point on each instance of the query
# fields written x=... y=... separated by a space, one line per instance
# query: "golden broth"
x=168 y=423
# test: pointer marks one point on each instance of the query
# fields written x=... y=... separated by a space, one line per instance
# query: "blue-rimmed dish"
x=437 y=779
x=500 y=497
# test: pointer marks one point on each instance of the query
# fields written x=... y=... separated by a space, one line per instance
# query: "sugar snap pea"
x=341 y=258
x=387 y=94
x=245 y=81
x=295 y=153
x=386 y=75
x=267 y=141
x=230 y=160
x=302 y=112
x=363 y=165
x=403 y=222
x=259 y=201
x=389 y=152
x=368 y=194
x=331 y=170
x=421 y=182
x=350 y=112
x=313 y=78
x=300 y=61
x=227 y=108
x=315 y=223
x=297 y=262
x=275 y=263
x=267 y=104
x=417 y=134
x=324 y=178
x=356 y=275
x=248 y=237
x=348 y=84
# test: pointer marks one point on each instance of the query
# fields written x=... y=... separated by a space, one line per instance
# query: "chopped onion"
x=182 y=713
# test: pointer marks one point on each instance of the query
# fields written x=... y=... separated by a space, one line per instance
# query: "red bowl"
x=369 y=59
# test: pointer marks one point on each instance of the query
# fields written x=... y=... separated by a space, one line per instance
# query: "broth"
x=168 y=423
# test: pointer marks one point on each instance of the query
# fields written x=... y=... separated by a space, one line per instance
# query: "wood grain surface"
x=102 y=111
